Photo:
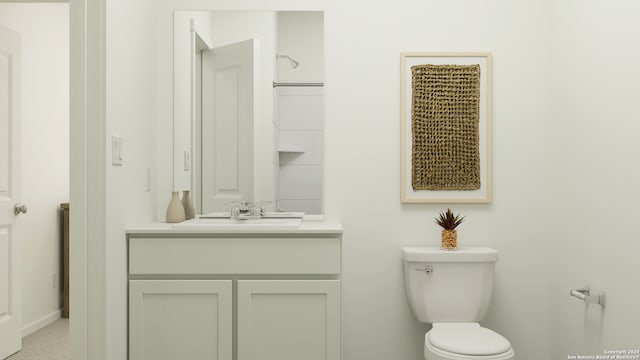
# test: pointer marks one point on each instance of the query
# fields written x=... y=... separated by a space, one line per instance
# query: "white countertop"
x=306 y=227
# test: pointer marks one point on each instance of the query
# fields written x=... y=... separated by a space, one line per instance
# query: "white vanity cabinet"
x=234 y=296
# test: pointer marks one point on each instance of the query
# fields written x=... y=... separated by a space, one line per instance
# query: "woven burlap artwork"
x=445 y=110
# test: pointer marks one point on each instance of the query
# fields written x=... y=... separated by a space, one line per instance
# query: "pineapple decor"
x=449 y=223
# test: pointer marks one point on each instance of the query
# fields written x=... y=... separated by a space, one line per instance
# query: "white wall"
x=594 y=240
x=362 y=166
x=363 y=43
x=563 y=133
x=44 y=29
x=132 y=114
x=564 y=159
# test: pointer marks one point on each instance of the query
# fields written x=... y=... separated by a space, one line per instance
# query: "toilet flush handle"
x=428 y=269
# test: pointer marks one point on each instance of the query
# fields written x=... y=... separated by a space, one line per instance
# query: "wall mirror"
x=249 y=108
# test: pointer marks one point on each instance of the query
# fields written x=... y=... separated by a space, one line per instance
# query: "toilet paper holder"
x=584 y=294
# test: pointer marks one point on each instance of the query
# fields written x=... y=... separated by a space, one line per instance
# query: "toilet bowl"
x=465 y=341
x=451 y=290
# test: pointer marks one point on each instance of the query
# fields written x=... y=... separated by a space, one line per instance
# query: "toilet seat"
x=465 y=341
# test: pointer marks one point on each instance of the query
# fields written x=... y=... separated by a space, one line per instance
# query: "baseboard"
x=39 y=324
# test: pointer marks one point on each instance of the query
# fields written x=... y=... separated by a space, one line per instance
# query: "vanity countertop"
x=306 y=227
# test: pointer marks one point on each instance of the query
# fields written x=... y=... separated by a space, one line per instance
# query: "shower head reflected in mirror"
x=294 y=64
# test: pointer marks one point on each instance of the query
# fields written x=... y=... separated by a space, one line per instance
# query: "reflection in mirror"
x=249 y=108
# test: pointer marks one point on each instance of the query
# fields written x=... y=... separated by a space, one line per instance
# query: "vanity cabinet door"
x=180 y=319
x=288 y=319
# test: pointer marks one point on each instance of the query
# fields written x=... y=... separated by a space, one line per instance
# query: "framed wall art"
x=445 y=116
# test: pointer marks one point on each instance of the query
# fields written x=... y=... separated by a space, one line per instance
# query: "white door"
x=10 y=286
x=228 y=104
x=288 y=319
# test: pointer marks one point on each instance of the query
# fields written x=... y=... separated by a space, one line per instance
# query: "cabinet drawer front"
x=234 y=255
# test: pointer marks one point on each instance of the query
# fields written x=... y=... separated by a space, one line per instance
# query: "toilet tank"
x=449 y=286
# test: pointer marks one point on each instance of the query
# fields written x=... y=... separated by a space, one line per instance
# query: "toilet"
x=451 y=290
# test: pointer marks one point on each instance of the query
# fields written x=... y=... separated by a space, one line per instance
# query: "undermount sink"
x=230 y=224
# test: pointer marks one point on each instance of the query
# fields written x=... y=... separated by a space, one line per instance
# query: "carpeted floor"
x=49 y=343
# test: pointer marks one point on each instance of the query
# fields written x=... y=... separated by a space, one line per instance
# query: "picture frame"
x=483 y=194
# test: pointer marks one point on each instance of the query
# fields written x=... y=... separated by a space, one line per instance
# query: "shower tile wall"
x=301 y=125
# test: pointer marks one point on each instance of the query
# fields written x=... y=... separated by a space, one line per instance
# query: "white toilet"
x=451 y=290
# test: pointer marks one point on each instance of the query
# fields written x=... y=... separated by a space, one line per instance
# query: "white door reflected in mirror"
x=228 y=83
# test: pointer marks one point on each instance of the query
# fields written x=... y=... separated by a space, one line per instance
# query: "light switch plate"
x=117 y=150
x=187 y=160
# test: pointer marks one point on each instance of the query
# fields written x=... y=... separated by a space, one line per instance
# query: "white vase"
x=187 y=204
x=175 y=211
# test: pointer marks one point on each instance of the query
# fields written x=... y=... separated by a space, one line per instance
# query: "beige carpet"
x=49 y=343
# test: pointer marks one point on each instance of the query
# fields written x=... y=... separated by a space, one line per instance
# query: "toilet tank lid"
x=463 y=254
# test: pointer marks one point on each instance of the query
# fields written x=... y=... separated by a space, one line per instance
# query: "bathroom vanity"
x=234 y=294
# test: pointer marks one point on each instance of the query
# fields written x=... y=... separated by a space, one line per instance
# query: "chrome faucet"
x=242 y=210
x=239 y=209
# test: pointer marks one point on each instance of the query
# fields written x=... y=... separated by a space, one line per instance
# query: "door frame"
x=87 y=179
x=87 y=171
x=199 y=43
